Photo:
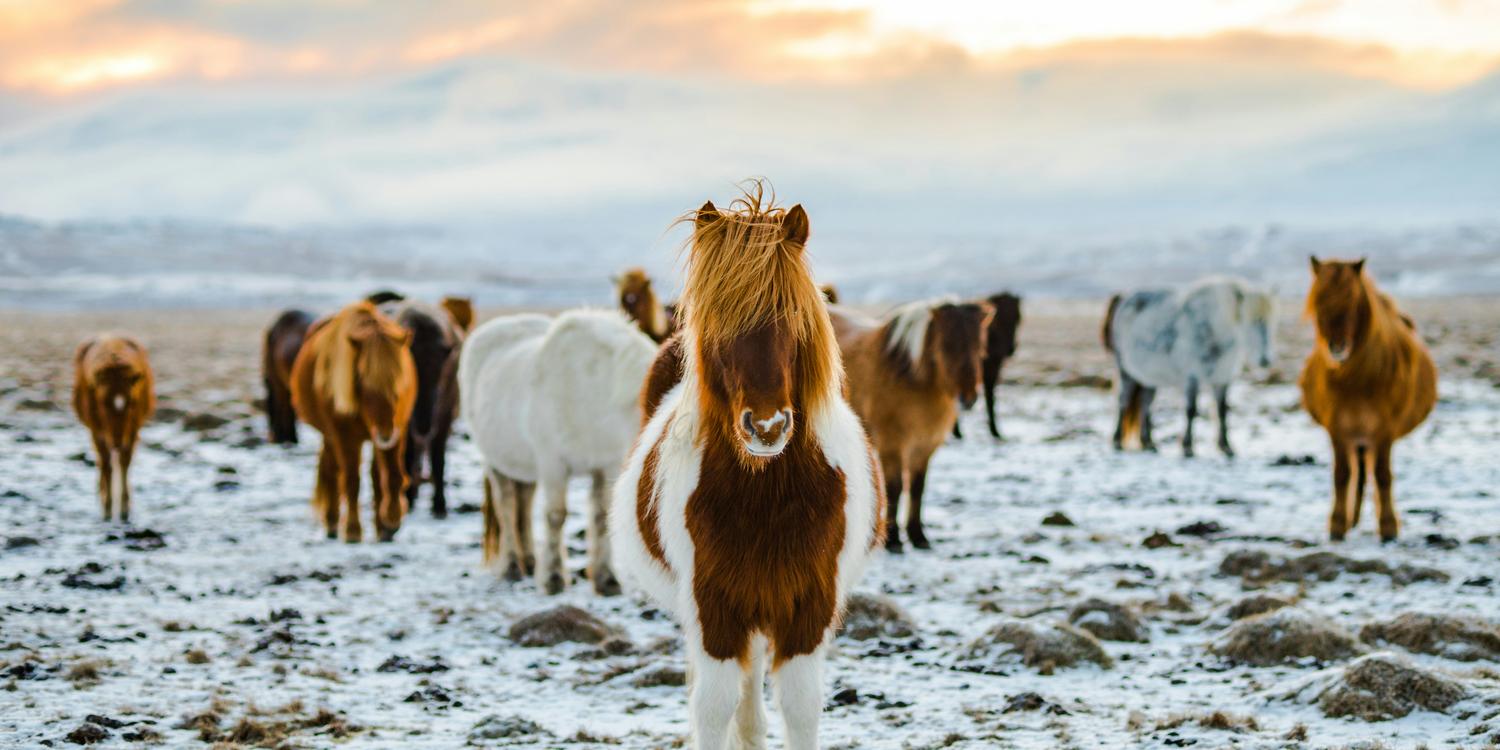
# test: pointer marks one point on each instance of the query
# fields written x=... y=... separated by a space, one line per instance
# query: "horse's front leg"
x=799 y=690
x=1221 y=404
x=1338 y=522
x=127 y=452
x=1385 y=508
x=991 y=380
x=600 y=573
x=104 y=464
x=713 y=696
x=916 y=533
x=552 y=572
x=890 y=465
x=750 y=716
x=1191 y=394
x=388 y=473
x=349 y=451
x=326 y=493
x=437 y=461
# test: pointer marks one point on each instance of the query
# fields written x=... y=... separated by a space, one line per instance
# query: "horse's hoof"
x=387 y=536
x=439 y=511
x=893 y=546
x=513 y=572
x=1387 y=538
x=607 y=585
x=919 y=542
x=331 y=535
x=529 y=565
x=353 y=536
x=1335 y=536
x=554 y=584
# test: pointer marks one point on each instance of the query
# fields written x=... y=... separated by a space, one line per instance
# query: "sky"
x=973 y=116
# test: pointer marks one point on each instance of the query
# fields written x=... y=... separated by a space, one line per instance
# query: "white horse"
x=545 y=399
x=1202 y=334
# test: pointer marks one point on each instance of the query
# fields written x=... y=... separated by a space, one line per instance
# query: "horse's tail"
x=491 y=512
x=1130 y=415
x=1107 y=334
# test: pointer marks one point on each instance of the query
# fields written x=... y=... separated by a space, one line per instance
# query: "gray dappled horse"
x=1201 y=334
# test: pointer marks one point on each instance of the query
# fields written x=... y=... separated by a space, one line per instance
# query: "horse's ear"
x=1316 y=264
x=794 y=225
x=707 y=214
x=1359 y=266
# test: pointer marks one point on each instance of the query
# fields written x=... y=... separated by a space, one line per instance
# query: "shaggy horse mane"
x=747 y=269
x=375 y=364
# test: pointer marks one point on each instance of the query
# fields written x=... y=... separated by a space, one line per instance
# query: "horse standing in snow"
x=114 y=393
x=283 y=341
x=354 y=381
x=749 y=504
x=436 y=335
x=999 y=345
x=638 y=299
x=1369 y=381
x=545 y=399
x=908 y=376
x=1202 y=334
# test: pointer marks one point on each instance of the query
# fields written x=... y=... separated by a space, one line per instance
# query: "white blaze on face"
x=119 y=402
x=385 y=443
x=775 y=419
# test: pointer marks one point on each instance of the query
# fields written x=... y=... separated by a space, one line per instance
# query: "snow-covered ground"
x=243 y=608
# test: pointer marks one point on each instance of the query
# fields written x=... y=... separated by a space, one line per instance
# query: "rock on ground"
x=1285 y=635
x=868 y=616
x=1260 y=566
x=1108 y=621
x=505 y=728
x=1255 y=604
x=562 y=624
x=1040 y=645
x=1449 y=636
x=1383 y=686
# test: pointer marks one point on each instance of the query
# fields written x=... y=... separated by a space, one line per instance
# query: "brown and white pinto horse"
x=1369 y=381
x=749 y=505
x=908 y=375
x=114 y=393
x=638 y=299
x=283 y=341
x=354 y=381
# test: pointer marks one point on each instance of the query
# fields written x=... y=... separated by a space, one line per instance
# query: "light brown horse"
x=114 y=393
x=355 y=381
x=750 y=503
x=1369 y=381
x=638 y=299
x=908 y=375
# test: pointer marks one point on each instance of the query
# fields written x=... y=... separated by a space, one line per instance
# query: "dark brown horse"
x=437 y=335
x=1369 y=381
x=638 y=299
x=283 y=341
x=1000 y=346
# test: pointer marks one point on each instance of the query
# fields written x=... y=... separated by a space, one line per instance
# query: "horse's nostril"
x=748 y=422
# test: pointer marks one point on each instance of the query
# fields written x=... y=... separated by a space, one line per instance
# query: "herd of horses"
x=748 y=446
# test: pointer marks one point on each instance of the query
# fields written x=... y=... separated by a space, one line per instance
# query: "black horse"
x=437 y=336
x=283 y=341
x=1001 y=346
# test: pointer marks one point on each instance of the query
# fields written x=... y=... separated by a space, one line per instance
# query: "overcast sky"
x=974 y=116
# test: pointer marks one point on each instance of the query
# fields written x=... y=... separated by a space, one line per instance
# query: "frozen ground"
x=240 y=610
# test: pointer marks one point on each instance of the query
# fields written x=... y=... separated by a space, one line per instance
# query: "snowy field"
x=223 y=616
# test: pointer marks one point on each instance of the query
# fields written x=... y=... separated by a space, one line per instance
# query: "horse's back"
x=497 y=370
x=591 y=365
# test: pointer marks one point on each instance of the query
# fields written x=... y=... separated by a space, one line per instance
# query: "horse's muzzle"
x=385 y=443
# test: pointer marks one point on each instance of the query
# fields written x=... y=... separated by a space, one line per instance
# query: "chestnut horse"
x=1369 y=381
x=1000 y=345
x=436 y=336
x=749 y=505
x=355 y=381
x=638 y=299
x=283 y=341
x=908 y=375
x=114 y=393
